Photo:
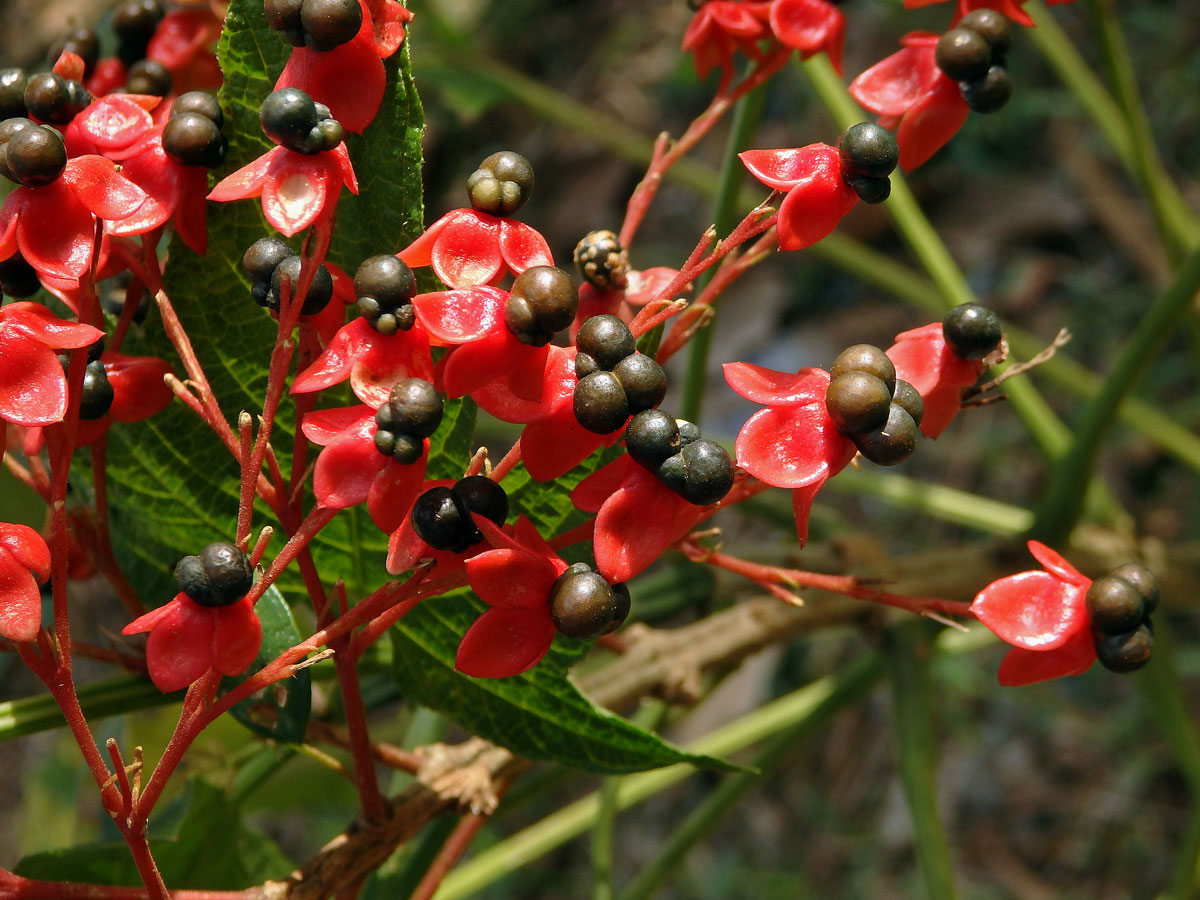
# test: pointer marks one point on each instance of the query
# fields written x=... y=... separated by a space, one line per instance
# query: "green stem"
x=1063 y=500
x=746 y=115
x=571 y=821
x=602 y=841
x=907 y=657
x=1178 y=227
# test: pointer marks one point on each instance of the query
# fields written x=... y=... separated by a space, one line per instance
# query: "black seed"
x=47 y=97
x=192 y=139
x=962 y=54
x=857 y=402
x=83 y=43
x=385 y=441
x=652 y=437
x=582 y=603
x=134 y=23
x=284 y=16
x=319 y=292
x=17 y=277
x=97 y=396
x=263 y=256
x=865 y=358
x=95 y=350
x=989 y=93
x=909 y=399
x=544 y=301
x=482 y=495
x=585 y=366
x=12 y=92
x=440 y=519
x=502 y=184
x=387 y=279
x=606 y=339
x=623 y=604
x=148 y=76
x=602 y=261
x=972 y=330
x=689 y=432
x=600 y=404
x=414 y=407
x=288 y=117
x=870 y=190
x=228 y=571
x=407 y=449
x=1115 y=605
x=708 y=472
x=199 y=102
x=1125 y=652
x=189 y=575
x=36 y=156
x=992 y=27
x=1143 y=581
x=644 y=381
x=868 y=150
x=330 y=23
x=892 y=443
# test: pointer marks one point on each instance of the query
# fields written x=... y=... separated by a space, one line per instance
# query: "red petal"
x=347 y=467
x=810 y=26
x=1053 y=562
x=387 y=20
x=924 y=360
x=793 y=446
x=385 y=360
x=27 y=547
x=523 y=247
x=512 y=579
x=1034 y=610
x=931 y=122
x=637 y=523
x=394 y=490
x=471 y=366
x=782 y=169
x=112 y=124
x=1021 y=667
x=589 y=495
x=554 y=446
x=236 y=637
x=191 y=212
x=24 y=559
x=138 y=387
x=648 y=284
x=497 y=398
x=802 y=501
x=55 y=232
x=420 y=252
x=456 y=317
x=158 y=176
x=247 y=181
x=297 y=190
x=148 y=621
x=180 y=647
x=773 y=388
x=33 y=386
x=467 y=250
x=43 y=326
x=504 y=642
x=323 y=425
x=349 y=79
x=892 y=86
x=70 y=66
x=526 y=377
x=813 y=208
x=101 y=189
x=334 y=364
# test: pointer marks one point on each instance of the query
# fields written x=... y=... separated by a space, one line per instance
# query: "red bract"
x=187 y=639
x=911 y=94
x=139 y=392
x=719 y=28
x=350 y=469
x=297 y=189
x=1010 y=8
x=54 y=226
x=472 y=321
x=468 y=248
x=924 y=359
x=817 y=197
x=33 y=385
x=515 y=581
x=638 y=517
x=108 y=75
x=641 y=287
x=372 y=361
x=174 y=193
x=810 y=26
x=406 y=549
x=183 y=42
x=793 y=443
x=112 y=126
x=24 y=561
x=1044 y=616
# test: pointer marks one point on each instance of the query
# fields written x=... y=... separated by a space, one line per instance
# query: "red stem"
x=455 y=846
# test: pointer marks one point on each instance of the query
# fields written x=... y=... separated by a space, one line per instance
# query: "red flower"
x=406 y=549
x=296 y=188
x=515 y=581
x=174 y=192
x=793 y=443
x=53 y=226
x=1010 y=8
x=810 y=26
x=350 y=79
x=24 y=561
x=139 y=392
x=719 y=28
x=472 y=321
x=112 y=126
x=33 y=385
x=372 y=361
x=187 y=639
x=817 y=197
x=1044 y=616
x=350 y=469
x=468 y=248
x=638 y=517
x=924 y=359
x=183 y=42
x=907 y=89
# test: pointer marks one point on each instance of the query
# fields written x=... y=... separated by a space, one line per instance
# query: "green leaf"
x=290 y=700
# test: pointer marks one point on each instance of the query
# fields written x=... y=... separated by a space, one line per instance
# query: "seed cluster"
x=867 y=156
x=319 y=25
x=220 y=576
x=583 y=605
x=973 y=55
x=385 y=286
x=697 y=469
x=293 y=120
x=134 y=23
x=602 y=260
x=30 y=154
x=873 y=408
x=441 y=516
x=615 y=380
x=1120 y=604
x=192 y=135
x=268 y=261
x=541 y=302
x=501 y=185
x=412 y=412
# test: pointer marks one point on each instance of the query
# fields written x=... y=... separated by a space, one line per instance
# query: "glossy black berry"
x=1126 y=652
x=291 y=119
x=624 y=603
x=652 y=437
x=644 y=381
x=1115 y=605
x=868 y=150
x=865 y=358
x=992 y=27
x=600 y=404
x=226 y=575
x=95 y=350
x=134 y=23
x=972 y=330
x=440 y=520
x=12 y=92
x=97 y=396
x=606 y=339
x=602 y=261
x=502 y=184
x=909 y=399
x=701 y=472
x=1143 y=581
x=83 y=43
x=689 y=432
x=406 y=449
x=893 y=442
x=414 y=407
x=17 y=277
x=200 y=102
x=260 y=260
x=53 y=99
x=35 y=156
x=189 y=575
x=330 y=23
x=482 y=495
x=870 y=190
x=989 y=93
x=962 y=54
x=112 y=301
x=542 y=302
x=857 y=402
x=149 y=76
x=385 y=286
x=319 y=292
x=583 y=605
x=193 y=140
x=585 y=366
x=284 y=16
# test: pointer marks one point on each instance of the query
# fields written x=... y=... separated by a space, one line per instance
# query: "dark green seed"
x=330 y=23
x=962 y=54
x=644 y=381
x=708 y=472
x=149 y=76
x=891 y=444
x=1125 y=652
x=1143 y=581
x=320 y=292
x=482 y=495
x=606 y=339
x=263 y=256
x=992 y=27
x=868 y=150
x=387 y=279
x=990 y=93
x=502 y=184
x=36 y=156
x=97 y=396
x=870 y=190
x=865 y=358
x=189 y=575
x=192 y=139
x=200 y=102
x=284 y=16
x=909 y=399
x=600 y=404
x=1115 y=605
x=12 y=92
x=652 y=437
x=228 y=571
x=585 y=366
x=857 y=402
x=972 y=330
x=544 y=302
x=414 y=407
x=582 y=603
x=441 y=520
